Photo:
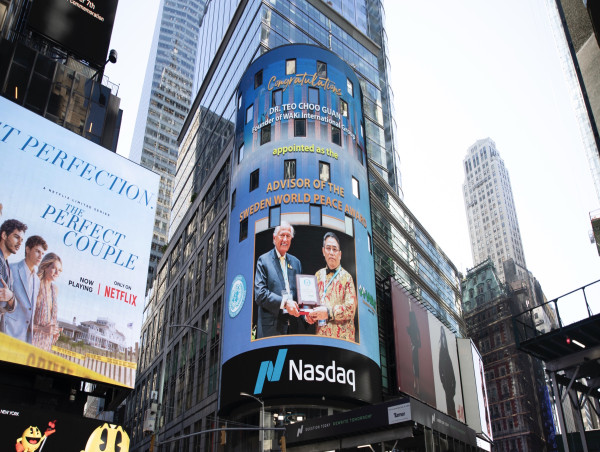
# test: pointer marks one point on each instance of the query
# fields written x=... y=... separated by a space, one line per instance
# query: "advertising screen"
x=27 y=429
x=83 y=27
x=426 y=356
x=76 y=228
x=476 y=403
x=306 y=322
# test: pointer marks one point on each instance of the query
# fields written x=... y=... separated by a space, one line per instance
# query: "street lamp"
x=261 y=420
x=189 y=326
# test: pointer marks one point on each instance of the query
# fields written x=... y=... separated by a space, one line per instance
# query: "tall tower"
x=491 y=214
x=169 y=101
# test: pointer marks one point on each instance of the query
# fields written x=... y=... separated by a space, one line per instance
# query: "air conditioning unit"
x=150 y=418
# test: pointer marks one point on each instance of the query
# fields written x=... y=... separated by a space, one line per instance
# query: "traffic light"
x=282 y=443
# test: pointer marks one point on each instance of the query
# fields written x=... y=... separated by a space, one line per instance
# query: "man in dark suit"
x=275 y=273
x=19 y=323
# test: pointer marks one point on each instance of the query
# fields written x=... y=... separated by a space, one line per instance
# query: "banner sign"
x=300 y=191
x=26 y=429
x=427 y=364
x=77 y=224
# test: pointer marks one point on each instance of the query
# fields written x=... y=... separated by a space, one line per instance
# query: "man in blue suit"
x=26 y=285
x=276 y=272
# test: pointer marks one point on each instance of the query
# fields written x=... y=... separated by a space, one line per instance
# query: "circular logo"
x=237 y=295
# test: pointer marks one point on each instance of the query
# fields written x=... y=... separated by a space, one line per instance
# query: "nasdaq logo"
x=269 y=371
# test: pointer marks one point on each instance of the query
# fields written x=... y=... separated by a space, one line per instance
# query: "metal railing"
x=572 y=307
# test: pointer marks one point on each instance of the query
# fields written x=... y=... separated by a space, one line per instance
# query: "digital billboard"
x=427 y=364
x=76 y=226
x=83 y=27
x=476 y=403
x=28 y=430
x=300 y=310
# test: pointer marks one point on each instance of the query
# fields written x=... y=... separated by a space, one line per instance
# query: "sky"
x=468 y=70
x=460 y=71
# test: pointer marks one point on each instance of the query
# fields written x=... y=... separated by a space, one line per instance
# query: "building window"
x=277 y=97
x=299 y=127
x=233 y=199
x=313 y=96
x=344 y=108
x=265 y=134
x=243 y=229
x=290 y=66
x=350 y=87
x=355 y=188
x=241 y=154
x=289 y=169
x=324 y=173
x=249 y=113
x=369 y=243
x=315 y=214
x=349 y=225
x=254 y=180
x=336 y=135
x=274 y=216
x=258 y=79
x=240 y=101
x=322 y=69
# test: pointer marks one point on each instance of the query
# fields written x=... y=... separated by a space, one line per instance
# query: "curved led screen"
x=305 y=324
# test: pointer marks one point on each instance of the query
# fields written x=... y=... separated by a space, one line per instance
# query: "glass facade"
x=261 y=26
x=67 y=94
x=169 y=102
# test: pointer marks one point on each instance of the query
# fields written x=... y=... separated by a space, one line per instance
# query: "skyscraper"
x=489 y=204
x=168 y=103
x=578 y=49
x=182 y=339
x=520 y=411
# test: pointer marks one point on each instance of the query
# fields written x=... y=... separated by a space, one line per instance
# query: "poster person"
x=26 y=285
x=337 y=293
x=275 y=273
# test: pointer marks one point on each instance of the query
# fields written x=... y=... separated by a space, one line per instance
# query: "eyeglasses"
x=332 y=249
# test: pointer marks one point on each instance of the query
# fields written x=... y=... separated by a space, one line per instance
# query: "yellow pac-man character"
x=32 y=438
x=108 y=438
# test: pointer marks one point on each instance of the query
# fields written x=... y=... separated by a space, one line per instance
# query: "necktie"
x=284 y=271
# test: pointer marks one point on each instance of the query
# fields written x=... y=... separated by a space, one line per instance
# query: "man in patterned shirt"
x=12 y=233
x=337 y=293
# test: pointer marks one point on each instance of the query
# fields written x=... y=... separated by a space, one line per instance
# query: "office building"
x=490 y=207
x=184 y=357
x=578 y=49
x=164 y=108
x=520 y=408
x=51 y=80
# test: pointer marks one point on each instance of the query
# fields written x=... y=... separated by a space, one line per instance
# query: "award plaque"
x=308 y=293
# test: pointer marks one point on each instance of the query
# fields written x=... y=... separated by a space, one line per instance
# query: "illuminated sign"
x=427 y=364
x=30 y=430
x=90 y=214
x=473 y=376
x=83 y=27
x=300 y=161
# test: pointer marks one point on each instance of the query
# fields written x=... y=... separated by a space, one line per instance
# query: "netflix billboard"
x=77 y=225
